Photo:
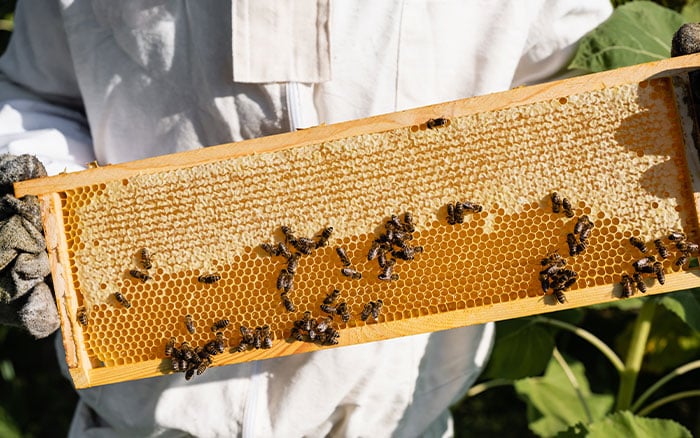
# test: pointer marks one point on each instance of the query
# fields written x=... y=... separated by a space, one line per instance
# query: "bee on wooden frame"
x=82 y=316
x=435 y=123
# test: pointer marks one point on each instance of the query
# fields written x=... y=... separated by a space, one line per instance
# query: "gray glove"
x=25 y=298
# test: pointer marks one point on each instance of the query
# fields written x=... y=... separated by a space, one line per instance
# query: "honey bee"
x=644 y=264
x=220 y=342
x=342 y=310
x=220 y=324
x=585 y=229
x=676 y=236
x=82 y=316
x=304 y=245
x=373 y=250
x=563 y=279
x=407 y=252
x=266 y=337
x=189 y=323
x=139 y=275
x=661 y=248
x=554 y=257
x=582 y=222
x=387 y=272
x=382 y=260
x=328 y=308
x=377 y=308
x=283 y=250
x=169 y=346
x=247 y=335
x=293 y=263
x=270 y=249
x=682 y=259
x=287 y=302
x=186 y=352
x=285 y=280
x=572 y=243
x=434 y=123
x=175 y=363
x=458 y=213
x=121 y=299
x=331 y=297
x=367 y=311
x=451 y=214
x=408 y=222
x=146 y=258
x=331 y=336
x=559 y=295
x=257 y=338
x=568 y=209
x=343 y=256
x=639 y=281
x=638 y=243
x=324 y=324
x=242 y=346
x=288 y=234
x=323 y=239
x=556 y=202
x=626 y=283
x=471 y=207
x=209 y=278
x=296 y=334
x=351 y=273
x=202 y=366
x=689 y=247
x=659 y=271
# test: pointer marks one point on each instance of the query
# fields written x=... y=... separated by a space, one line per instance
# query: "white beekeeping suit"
x=118 y=81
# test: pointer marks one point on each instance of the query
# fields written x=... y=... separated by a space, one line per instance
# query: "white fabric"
x=125 y=80
x=297 y=51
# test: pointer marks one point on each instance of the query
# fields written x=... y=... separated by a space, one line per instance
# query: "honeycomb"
x=617 y=153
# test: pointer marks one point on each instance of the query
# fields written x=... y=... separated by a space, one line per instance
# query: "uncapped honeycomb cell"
x=212 y=218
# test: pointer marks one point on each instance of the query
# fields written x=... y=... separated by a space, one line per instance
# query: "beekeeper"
x=118 y=81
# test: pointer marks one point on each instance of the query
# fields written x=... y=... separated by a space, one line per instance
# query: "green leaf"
x=522 y=349
x=635 y=33
x=626 y=424
x=553 y=404
x=686 y=305
x=691 y=11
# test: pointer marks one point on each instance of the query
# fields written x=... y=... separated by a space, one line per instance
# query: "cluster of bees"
x=394 y=242
x=555 y=278
x=320 y=330
x=188 y=360
x=372 y=308
x=303 y=246
x=258 y=338
x=330 y=307
x=650 y=266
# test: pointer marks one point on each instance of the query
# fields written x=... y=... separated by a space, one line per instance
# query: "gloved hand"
x=25 y=298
